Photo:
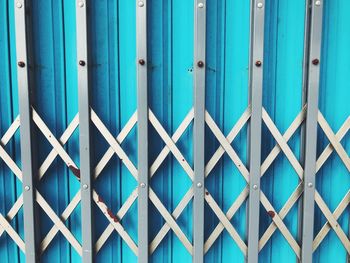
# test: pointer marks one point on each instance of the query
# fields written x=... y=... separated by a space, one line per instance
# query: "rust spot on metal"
x=271 y=213
x=315 y=61
x=100 y=200
x=258 y=63
x=75 y=171
x=113 y=216
x=200 y=64
x=21 y=64
x=142 y=62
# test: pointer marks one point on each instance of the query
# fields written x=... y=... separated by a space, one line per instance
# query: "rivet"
x=82 y=63
x=315 y=61
x=85 y=186
x=19 y=5
x=258 y=63
x=200 y=64
x=81 y=4
x=200 y=5
x=199 y=185
x=27 y=188
x=142 y=62
x=21 y=64
x=255 y=187
x=310 y=185
x=141 y=4
x=318 y=3
x=143 y=185
x=260 y=5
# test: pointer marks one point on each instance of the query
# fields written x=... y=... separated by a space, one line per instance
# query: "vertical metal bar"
x=313 y=80
x=27 y=139
x=256 y=86
x=199 y=128
x=304 y=100
x=84 y=132
x=142 y=129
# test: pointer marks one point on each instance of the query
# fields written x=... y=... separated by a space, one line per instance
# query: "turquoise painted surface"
x=113 y=86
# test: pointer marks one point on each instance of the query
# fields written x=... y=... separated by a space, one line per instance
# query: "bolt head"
x=199 y=185
x=82 y=63
x=260 y=5
x=200 y=64
x=141 y=4
x=21 y=64
x=255 y=187
x=310 y=185
x=258 y=63
x=200 y=5
x=142 y=62
x=27 y=188
x=85 y=186
x=315 y=61
x=19 y=5
x=80 y=3
x=143 y=185
x=318 y=3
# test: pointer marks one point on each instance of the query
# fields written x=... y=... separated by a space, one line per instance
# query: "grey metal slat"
x=304 y=101
x=142 y=129
x=311 y=129
x=256 y=85
x=199 y=128
x=84 y=133
x=27 y=140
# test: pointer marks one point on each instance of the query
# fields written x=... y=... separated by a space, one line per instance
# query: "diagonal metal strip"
x=298 y=191
x=332 y=221
x=333 y=140
x=245 y=173
x=188 y=196
x=327 y=227
x=13 y=211
x=114 y=221
x=266 y=164
x=296 y=165
x=65 y=157
x=329 y=148
x=125 y=159
x=121 y=213
x=161 y=131
x=5 y=225
x=229 y=214
x=41 y=201
x=155 y=166
x=171 y=145
x=226 y=223
x=4 y=221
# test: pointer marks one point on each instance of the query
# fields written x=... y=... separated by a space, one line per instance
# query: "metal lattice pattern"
x=170 y=147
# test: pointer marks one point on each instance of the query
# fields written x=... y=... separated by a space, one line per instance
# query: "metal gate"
x=174 y=131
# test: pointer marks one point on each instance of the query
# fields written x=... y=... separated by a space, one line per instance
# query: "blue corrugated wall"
x=112 y=43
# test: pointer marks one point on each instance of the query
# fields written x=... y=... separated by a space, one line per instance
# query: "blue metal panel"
x=284 y=43
x=112 y=41
x=333 y=180
x=10 y=187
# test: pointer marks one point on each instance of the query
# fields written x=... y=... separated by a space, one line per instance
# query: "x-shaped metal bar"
x=245 y=173
x=5 y=221
x=132 y=169
x=42 y=202
x=297 y=167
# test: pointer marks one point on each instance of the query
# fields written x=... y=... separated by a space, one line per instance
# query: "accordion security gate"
x=174 y=131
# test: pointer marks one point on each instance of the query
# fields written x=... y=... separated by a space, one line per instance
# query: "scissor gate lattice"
x=306 y=123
